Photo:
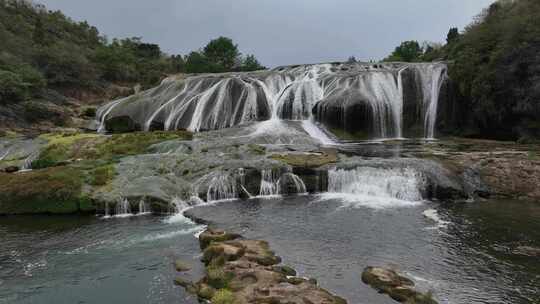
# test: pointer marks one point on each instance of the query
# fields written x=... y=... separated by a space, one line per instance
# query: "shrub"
x=12 y=87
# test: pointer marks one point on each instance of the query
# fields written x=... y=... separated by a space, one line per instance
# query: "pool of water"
x=461 y=252
x=84 y=259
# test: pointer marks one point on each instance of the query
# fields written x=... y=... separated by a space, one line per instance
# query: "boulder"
x=11 y=169
x=181 y=266
x=212 y=235
x=398 y=287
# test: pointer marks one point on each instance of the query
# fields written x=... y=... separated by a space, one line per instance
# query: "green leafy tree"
x=452 y=36
x=12 y=87
x=250 y=63
x=222 y=53
x=408 y=51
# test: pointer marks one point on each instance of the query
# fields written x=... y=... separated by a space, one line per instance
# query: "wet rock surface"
x=398 y=287
x=245 y=271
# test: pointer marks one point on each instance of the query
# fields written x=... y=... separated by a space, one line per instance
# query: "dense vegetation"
x=45 y=49
x=495 y=66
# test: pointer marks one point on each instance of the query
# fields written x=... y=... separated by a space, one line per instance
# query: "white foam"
x=314 y=131
x=350 y=200
x=433 y=215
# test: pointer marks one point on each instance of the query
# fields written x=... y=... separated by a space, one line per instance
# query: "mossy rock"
x=306 y=160
x=217 y=277
x=396 y=286
x=205 y=291
x=63 y=147
x=210 y=235
x=52 y=190
x=223 y=296
x=285 y=270
x=226 y=251
x=181 y=266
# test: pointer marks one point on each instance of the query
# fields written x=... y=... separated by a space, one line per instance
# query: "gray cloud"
x=278 y=31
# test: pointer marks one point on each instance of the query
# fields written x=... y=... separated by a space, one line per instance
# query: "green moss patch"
x=305 y=160
x=64 y=147
x=223 y=296
x=51 y=190
x=102 y=175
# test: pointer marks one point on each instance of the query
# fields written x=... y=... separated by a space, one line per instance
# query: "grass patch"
x=62 y=147
x=102 y=175
x=223 y=296
x=51 y=190
x=138 y=142
x=305 y=160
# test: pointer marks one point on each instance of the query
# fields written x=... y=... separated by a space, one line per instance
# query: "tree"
x=12 y=87
x=222 y=52
x=352 y=59
x=408 y=51
x=250 y=63
x=196 y=62
x=453 y=35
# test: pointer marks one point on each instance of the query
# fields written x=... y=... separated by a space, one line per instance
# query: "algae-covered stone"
x=211 y=235
x=306 y=160
x=182 y=282
x=181 y=266
x=52 y=190
x=223 y=296
x=205 y=291
x=286 y=270
x=396 y=286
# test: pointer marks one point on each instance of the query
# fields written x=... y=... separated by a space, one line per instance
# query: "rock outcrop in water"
x=396 y=286
x=388 y=100
x=245 y=271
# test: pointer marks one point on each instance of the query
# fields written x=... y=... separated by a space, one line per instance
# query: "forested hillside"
x=48 y=59
x=495 y=66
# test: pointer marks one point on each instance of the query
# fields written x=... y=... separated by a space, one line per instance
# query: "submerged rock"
x=181 y=266
x=527 y=251
x=398 y=287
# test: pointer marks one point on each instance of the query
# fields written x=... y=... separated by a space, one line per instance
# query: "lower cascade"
x=274 y=183
x=221 y=187
x=123 y=208
x=269 y=183
x=402 y=184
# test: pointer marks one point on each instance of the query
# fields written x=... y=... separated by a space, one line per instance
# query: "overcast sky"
x=278 y=32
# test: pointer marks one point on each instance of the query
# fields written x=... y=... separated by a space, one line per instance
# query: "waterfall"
x=107 y=210
x=27 y=164
x=274 y=183
x=144 y=208
x=431 y=78
x=123 y=208
x=289 y=179
x=216 y=101
x=269 y=182
x=177 y=207
x=377 y=187
x=4 y=155
x=221 y=187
